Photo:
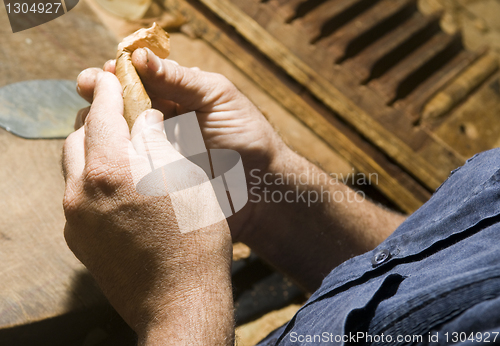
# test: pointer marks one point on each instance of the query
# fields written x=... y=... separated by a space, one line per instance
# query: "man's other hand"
x=228 y=120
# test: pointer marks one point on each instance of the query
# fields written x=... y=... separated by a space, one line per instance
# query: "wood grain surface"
x=40 y=279
x=431 y=176
x=392 y=181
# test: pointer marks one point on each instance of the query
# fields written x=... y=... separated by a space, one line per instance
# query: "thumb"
x=149 y=152
x=153 y=156
x=192 y=89
x=191 y=194
x=150 y=141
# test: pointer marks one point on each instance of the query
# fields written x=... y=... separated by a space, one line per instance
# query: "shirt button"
x=380 y=257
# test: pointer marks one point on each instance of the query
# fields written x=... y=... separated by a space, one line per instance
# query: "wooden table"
x=46 y=295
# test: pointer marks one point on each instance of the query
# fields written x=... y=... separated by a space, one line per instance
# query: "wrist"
x=206 y=318
x=259 y=181
x=192 y=288
x=198 y=311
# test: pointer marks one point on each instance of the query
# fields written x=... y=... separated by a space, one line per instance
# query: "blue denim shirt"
x=434 y=281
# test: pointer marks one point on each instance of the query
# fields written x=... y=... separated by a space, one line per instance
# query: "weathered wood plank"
x=377 y=56
x=405 y=192
x=342 y=79
x=332 y=97
x=389 y=85
x=415 y=101
x=313 y=21
x=337 y=43
x=459 y=88
x=287 y=7
x=40 y=277
x=473 y=126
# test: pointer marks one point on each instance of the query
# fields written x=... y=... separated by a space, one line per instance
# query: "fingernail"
x=153 y=61
x=78 y=81
x=153 y=117
x=79 y=75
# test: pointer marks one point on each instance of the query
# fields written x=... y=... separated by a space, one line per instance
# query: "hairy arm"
x=305 y=222
x=183 y=294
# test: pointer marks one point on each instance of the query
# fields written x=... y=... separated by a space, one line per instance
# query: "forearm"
x=199 y=312
x=206 y=319
x=307 y=223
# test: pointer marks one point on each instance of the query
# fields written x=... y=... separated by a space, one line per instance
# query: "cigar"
x=135 y=97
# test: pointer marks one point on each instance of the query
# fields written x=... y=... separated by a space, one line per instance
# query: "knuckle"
x=171 y=73
x=68 y=143
x=178 y=76
x=224 y=89
x=70 y=140
x=224 y=82
x=104 y=177
x=71 y=205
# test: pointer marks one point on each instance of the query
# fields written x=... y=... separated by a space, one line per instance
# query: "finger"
x=73 y=160
x=106 y=130
x=173 y=62
x=150 y=151
x=149 y=139
x=150 y=118
x=181 y=110
x=110 y=66
x=80 y=117
x=194 y=90
x=159 y=170
x=168 y=108
x=85 y=83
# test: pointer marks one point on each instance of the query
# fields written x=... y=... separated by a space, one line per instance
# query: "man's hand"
x=170 y=287
x=228 y=120
x=296 y=218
